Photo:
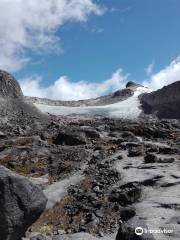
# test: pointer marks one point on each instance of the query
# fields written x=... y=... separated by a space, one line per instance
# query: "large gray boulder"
x=9 y=87
x=21 y=204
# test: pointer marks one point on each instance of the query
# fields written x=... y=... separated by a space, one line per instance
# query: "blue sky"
x=128 y=35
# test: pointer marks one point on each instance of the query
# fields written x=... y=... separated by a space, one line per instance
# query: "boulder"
x=21 y=204
x=150 y=158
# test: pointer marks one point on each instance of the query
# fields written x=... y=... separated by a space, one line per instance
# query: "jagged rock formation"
x=21 y=204
x=9 y=87
x=165 y=103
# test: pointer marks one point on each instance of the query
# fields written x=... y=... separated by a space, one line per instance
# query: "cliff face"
x=9 y=87
x=164 y=102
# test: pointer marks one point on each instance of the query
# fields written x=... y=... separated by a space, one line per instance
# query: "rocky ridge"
x=117 y=96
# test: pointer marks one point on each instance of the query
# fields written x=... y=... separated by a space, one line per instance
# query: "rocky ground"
x=84 y=177
x=99 y=175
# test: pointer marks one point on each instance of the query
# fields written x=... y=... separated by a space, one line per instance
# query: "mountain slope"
x=126 y=109
x=119 y=95
x=120 y=104
x=165 y=103
x=98 y=173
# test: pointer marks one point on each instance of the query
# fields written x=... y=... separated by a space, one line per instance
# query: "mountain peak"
x=131 y=84
x=9 y=86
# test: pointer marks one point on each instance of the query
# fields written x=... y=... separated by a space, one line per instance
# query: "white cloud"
x=149 y=69
x=32 y=24
x=64 y=89
x=166 y=76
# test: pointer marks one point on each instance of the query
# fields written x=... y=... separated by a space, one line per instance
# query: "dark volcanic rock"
x=9 y=87
x=164 y=102
x=21 y=204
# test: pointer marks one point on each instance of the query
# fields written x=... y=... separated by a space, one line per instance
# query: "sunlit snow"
x=128 y=109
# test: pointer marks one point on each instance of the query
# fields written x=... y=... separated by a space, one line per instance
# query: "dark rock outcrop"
x=21 y=204
x=9 y=87
x=133 y=85
x=165 y=103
